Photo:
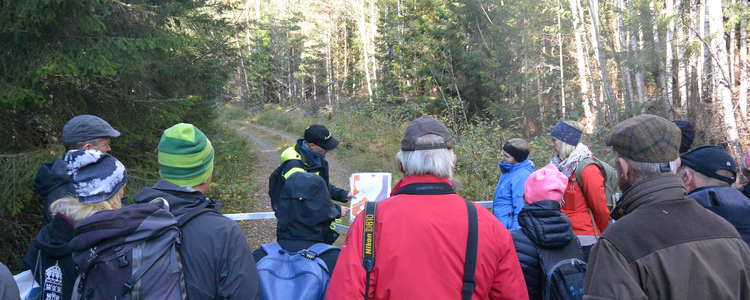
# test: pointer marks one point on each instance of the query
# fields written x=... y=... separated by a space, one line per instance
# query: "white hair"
x=703 y=180
x=438 y=162
x=648 y=170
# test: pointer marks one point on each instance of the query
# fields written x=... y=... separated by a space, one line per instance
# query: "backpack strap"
x=271 y=248
x=191 y=214
x=321 y=248
x=470 y=263
x=368 y=243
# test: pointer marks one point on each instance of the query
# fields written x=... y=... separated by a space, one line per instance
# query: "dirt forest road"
x=269 y=144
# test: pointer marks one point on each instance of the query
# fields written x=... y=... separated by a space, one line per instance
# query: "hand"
x=345 y=211
x=349 y=197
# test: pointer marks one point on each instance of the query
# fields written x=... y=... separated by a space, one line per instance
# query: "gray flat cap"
x=87 y=127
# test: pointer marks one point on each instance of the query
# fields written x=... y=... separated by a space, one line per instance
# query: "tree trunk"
x=562 y=70
x=373 y=31
x=665 y=95
x=720 y=67
x=682 y=67
x=257 y=10
x=581 y=63
x=539 y=96
x=607 y=88
x=639 y=84
x=242 y=64
x=669 y=57
x=743 y=64
x=363 y=37
x=623 y=44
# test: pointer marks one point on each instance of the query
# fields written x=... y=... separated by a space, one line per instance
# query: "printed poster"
x=368 y=187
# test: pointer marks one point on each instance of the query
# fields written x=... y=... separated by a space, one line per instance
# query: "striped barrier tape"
x=270 y=215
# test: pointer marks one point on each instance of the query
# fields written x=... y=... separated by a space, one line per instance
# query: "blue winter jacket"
x=728 y=203
x=508 y=200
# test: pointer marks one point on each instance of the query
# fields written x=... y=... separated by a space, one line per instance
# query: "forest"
x=490 y=69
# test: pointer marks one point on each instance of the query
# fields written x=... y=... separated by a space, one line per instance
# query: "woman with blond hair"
x=587 y=208
x=99 y=181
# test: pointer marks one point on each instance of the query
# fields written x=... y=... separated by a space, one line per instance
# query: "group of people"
x=678 y=231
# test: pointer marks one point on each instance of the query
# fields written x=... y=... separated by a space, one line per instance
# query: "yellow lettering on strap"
x=292 y=171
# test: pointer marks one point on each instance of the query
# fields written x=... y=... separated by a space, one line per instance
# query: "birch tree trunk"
x=682 y=67
x=624 y=48
x=607 y=88
x=743 y=64
x=665 y=96
x=373 y=31
x=242 y=64
x=639 y=84
x=669 y=57
x=581 y=63
x=562 y=70
x=720 y=67
x=363 y=37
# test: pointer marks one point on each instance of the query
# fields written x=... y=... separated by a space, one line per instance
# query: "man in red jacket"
x=421 y=240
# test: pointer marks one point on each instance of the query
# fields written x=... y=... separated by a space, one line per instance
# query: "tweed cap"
x=186 y=156
x=423 y=126
x=646 y=138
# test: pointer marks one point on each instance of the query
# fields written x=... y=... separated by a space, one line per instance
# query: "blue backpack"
x=293 y=275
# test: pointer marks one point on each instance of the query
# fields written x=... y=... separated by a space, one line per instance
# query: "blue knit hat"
x=97 y=176
x=566 y=133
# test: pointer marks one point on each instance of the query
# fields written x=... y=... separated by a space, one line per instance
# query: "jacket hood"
x=305 y=211
x=545 y=225
x=657 y=189
x=526 y=164
x=50 y=177
x=54 y=238
x=296 y=152
x=180 y=198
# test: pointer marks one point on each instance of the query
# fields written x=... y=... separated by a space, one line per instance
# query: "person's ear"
x=400 y=166
x=87 y=146
x=623 y=172
x=688 y=179
x=454 y=162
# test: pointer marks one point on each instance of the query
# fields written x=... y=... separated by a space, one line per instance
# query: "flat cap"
x=423 y=126
x=87 y=127
x=646 y=138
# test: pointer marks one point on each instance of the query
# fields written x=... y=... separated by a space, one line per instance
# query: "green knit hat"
x=186 y=156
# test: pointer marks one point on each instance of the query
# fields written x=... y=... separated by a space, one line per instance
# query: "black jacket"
x=217 y=260
x=728 y=203
x=53 y=243
x=305 y=210
x=53 y=183
x=542 y=226
x=295 y=157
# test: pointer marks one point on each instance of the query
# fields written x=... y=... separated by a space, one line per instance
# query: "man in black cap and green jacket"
x=662 y=245
x=308 y=155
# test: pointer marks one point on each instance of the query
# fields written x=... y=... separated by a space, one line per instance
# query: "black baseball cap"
x=707 y=160
x=85 y=128
x=319 y=135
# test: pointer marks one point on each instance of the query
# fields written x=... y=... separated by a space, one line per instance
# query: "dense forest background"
x=491 y=69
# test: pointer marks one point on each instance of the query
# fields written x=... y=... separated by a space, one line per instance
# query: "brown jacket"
x=665 y=246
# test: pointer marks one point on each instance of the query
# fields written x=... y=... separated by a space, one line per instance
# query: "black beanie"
x=688 y=134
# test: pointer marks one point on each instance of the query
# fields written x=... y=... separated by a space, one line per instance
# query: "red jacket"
x=576 y=207
x=420 y=247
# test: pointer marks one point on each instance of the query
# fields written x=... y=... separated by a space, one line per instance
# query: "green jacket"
x=666 y=246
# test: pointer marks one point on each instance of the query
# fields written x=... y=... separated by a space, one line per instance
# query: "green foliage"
x=232 y=183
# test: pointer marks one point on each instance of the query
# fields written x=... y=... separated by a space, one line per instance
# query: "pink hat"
x=545 y=184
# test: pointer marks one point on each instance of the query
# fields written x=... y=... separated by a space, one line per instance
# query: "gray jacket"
x=666 y=246
x=8 y=287
x=217 y=261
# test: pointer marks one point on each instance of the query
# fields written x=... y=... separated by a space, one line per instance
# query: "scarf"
x=569 y=165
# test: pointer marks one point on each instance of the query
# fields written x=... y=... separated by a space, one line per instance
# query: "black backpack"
x=275 y=184
x=563 y=271
x=130 y=253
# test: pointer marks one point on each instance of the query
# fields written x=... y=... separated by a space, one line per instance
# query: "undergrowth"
x=371 y=135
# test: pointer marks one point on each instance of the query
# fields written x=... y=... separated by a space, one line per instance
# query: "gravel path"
x=269 y=143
